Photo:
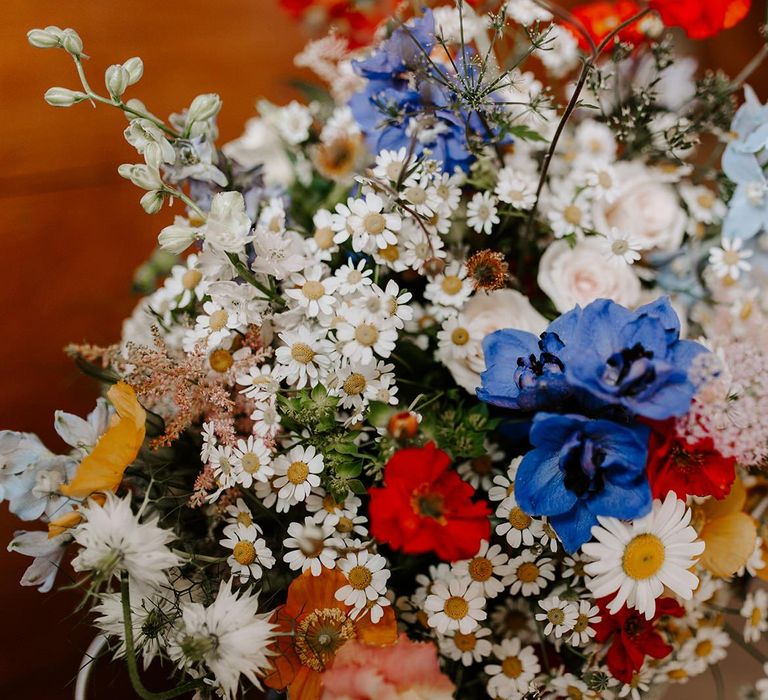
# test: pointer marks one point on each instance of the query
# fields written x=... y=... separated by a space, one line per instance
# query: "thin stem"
x=130 y=654
x=249 y=277
x=750 y=68
x=749 y=648
x=180 y=195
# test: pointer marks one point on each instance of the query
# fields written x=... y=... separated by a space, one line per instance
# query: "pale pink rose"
x=404 y=671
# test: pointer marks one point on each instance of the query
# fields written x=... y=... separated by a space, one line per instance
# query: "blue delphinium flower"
x=632 y=359
x=524 y=372
x=581 y=468
x=744 y=158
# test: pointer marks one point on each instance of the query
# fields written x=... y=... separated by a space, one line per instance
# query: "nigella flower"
x=581 y=468
x=524 y=372
x=634 y=359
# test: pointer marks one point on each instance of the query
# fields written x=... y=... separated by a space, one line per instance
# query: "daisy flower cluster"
x=449 y=381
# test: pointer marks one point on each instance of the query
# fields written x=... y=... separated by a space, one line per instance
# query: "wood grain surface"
x=73 y=233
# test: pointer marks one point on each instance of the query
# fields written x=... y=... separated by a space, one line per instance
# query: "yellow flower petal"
x=102 y=470
x=64 y=523
x=730 y=541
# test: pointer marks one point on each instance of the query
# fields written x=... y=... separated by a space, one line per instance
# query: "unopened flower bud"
x=203 y=107
x=45 y=38
x=71 y=42
x=117 y=79
x=152 y=201
x=63 y=97
x=403 y=425
x=135 y=68
x=176 y=238
x=142 y=176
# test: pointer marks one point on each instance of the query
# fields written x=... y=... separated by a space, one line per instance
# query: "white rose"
x=228 y=226
x=486 y=313
x=579 y=275
x=644 y=208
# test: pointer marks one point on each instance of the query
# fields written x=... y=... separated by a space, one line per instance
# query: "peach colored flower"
x=405 y=671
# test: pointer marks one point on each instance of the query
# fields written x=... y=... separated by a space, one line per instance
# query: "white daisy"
x=703 y=204
x=451 y=287
x=239 y=514
x=573 y=567
x=482 y=213
x=266 y=419
x=513 y=619
x=620 y=248
x=254 y=459
x=516 y=188
x=215 y=325
x=297 y=472
x=512 y=677
x=569 y=216
x=459 y=339
x=305 y=357
x=327 y=510
x=390 y=164
x=250 y=554
x=448 y=190
x=455 y=604
x=260 y=383
x=504 y=484
x=530 y=574
x=468 y=648
x=420 y=197
x=730 y=260
x=755 y=612
x=488 y=568
x=113 y=540
x=709 y=644
x=313 y=291
x=559 y=616
x=637 y=560
x=311 y=546
x=321 y=245
x=229 y=638
x=547 y=536
x=366 y=222
x=361 y=335
x=225 y=465
x=391 y=303
x=478 y=472
x=583 y=630
x=519 y=527
x=353 y=278
x=366 y=576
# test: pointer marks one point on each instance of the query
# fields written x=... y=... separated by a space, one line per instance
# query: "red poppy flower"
x=701 y=18
x=602 y=17
x=425 y=506
x=632 y=637
x=688 y=469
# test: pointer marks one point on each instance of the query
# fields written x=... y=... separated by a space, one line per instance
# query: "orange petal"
x=732 y=503
x=307 y=685
x=307 y=593
x=730 y=541
x=103 y=468
x=63 y=523
x=381 y=634
x=735 y=12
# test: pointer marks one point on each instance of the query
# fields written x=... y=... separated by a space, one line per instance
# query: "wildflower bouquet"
x=412 y=406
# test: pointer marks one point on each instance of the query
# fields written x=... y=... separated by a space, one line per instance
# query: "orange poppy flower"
x=102 y=470
x=728 y=532
x=313 y=626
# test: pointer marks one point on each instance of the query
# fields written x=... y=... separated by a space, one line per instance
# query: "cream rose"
x=645 y=208
x=579 y=275
x=484 y=314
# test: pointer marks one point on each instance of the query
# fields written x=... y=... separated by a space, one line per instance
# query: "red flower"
x=696 y=469
x=425 y=506
x=633 y=637
x=701 y=18
x=602 y=17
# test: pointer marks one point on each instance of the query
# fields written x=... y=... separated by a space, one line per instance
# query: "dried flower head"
x=488 y=270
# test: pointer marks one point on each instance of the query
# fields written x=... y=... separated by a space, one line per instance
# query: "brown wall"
x=73 y=232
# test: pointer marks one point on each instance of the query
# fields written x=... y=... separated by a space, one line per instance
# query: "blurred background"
x=72 y=234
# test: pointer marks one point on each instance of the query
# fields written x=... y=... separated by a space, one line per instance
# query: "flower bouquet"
x=449 y=382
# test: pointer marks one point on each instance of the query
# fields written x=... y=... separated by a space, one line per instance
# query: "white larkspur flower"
x=455 y=604
x=227 y=228
x=638 y=560
x=297 y=472
x=559 y=616
x=730 y=260
x=482 y=213
x=311 y=547
x=366 y=576
x=250 y=554
x=229 y=639
x=512 y=676
x=114 y=541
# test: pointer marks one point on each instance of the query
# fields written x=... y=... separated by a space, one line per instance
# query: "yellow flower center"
x=416 y=195
x=643 y=557
x=459 y=336
x=451 y=284
x=330 y=504
x=191 y=278
x=573 y=693
x=244 y=553
x=301 y=352
x=244 y=518
x=218 y=320
x=344 y=525
x=756 y=617
x=250 y=462
x=374 y=223
x=359 y=578
x=320 y=635
x=324 y=238
x=731 y=257
x=704 y=648
x=480 y=569
x=518 y=519
x=313 y=290
x=572 y=214
x=354 y=384
x=582 y=622
x=221 y=360
x=677 y=674
x=556 y=616
x=464 y=642
x=298 y=472
x=512 y=667
x=527 y=572
x=706 y=200
x=366 y=334
x=390 y=253
x=456 y=607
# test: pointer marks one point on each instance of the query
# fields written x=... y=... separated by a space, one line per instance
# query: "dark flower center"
x=428 y=504
x=582 y=466
x=530 y=368
x=631 y=370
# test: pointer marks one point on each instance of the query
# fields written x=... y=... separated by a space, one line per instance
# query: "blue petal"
x=539 y=487
x=574 y=528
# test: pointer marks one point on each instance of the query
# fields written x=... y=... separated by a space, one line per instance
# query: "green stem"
x=248 y=276
x=179 y=194
x=130 y=654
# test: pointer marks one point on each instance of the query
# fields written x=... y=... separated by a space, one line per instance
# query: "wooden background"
x=73 y=233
